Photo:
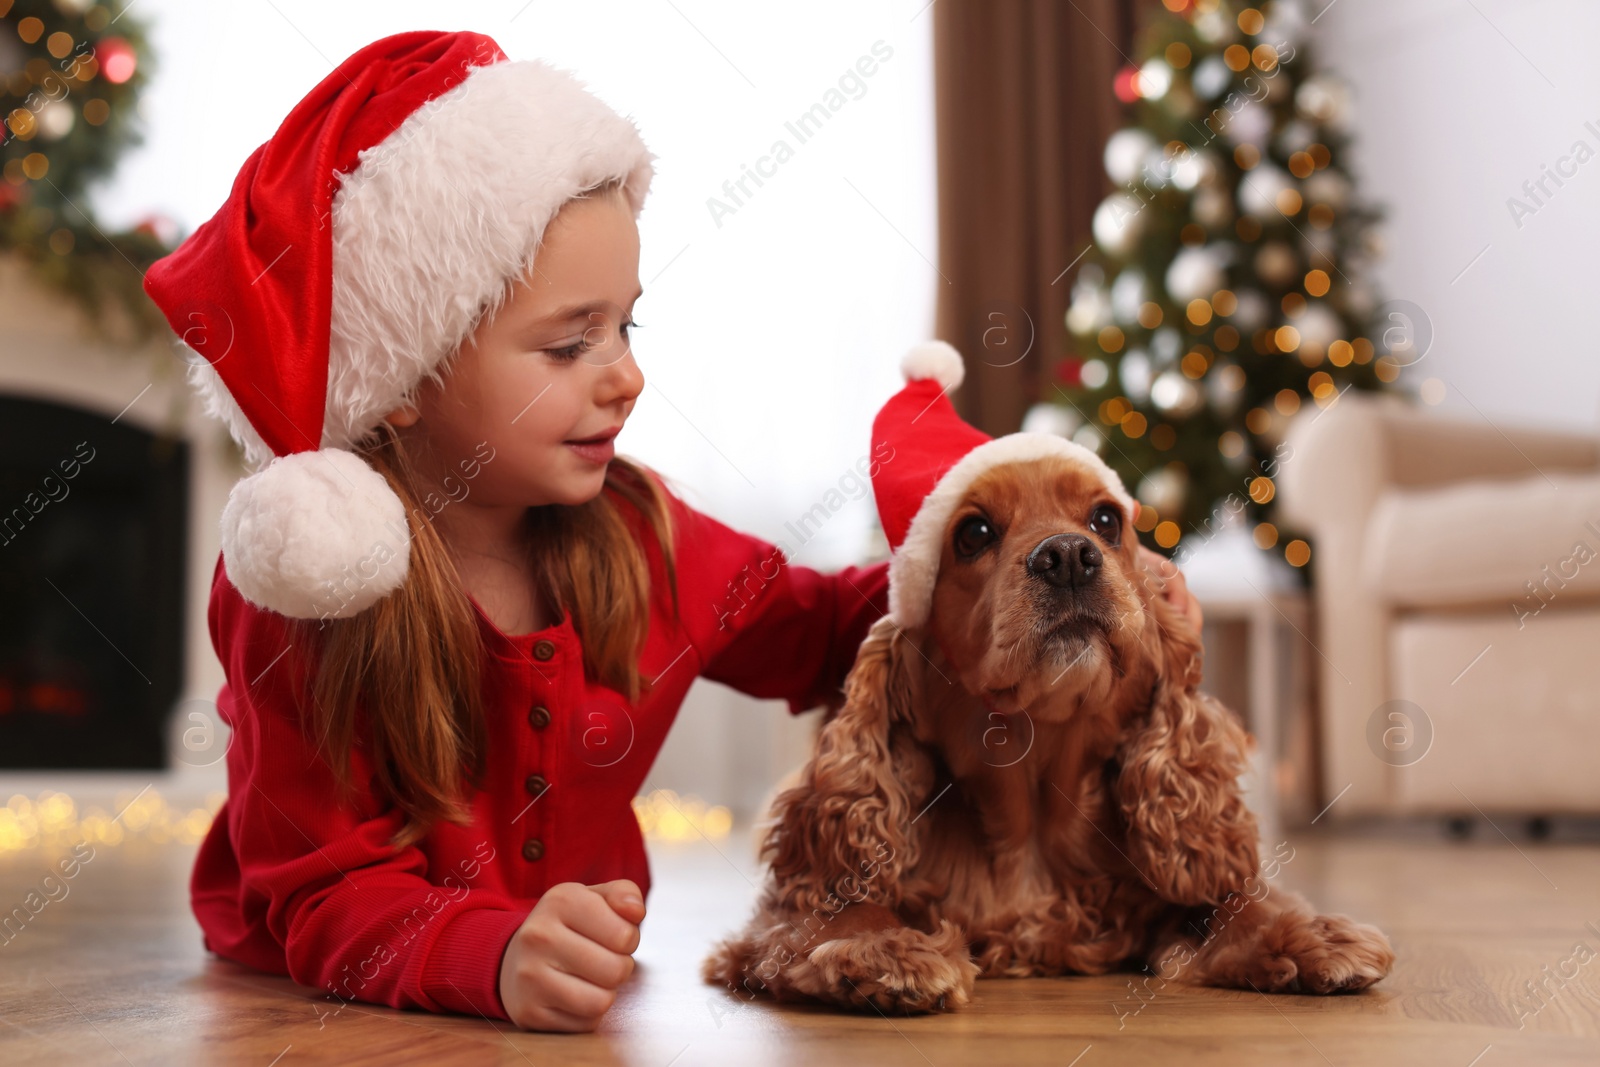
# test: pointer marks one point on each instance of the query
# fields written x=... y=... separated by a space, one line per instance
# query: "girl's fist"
x=562 y=967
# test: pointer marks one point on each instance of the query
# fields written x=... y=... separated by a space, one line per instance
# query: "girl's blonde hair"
x=402 y=678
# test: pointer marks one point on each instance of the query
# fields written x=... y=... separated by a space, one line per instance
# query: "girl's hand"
x=562 y=967
x=1175 y=589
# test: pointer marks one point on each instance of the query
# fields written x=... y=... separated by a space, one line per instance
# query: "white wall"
x=1458 y=104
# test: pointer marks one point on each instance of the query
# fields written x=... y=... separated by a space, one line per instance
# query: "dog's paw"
x=726 y=962
x=1323 y=954
x=901 y=970
x=1346 y=956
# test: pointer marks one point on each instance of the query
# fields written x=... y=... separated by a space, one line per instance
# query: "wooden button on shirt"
x=294 y=880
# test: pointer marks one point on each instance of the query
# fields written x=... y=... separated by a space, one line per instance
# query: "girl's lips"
x=595 y=450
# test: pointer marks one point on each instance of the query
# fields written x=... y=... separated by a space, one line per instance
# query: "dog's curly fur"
x=1030 y=784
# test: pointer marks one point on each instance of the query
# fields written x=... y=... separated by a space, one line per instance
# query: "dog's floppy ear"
x=1189 y=830
x=845 y=828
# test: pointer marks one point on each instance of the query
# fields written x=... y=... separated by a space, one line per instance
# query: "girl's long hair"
x=402 y=678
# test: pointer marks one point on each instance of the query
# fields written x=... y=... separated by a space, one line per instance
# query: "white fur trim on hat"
x=435 y=222
x=938 y=360
x=315 y=535
x=915 y=564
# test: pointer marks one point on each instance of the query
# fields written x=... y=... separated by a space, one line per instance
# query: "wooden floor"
x=113 y=973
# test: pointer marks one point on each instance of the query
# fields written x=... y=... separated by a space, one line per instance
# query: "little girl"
x=455 y=626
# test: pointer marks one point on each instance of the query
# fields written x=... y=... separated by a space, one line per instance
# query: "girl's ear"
x=1189 y=830
x=844 y=831
x=403 y=416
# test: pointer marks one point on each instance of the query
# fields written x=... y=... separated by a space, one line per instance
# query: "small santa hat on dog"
x=358 y=247
x=935 y=458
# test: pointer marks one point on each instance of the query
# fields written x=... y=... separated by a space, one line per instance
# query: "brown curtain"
x=1024 y=105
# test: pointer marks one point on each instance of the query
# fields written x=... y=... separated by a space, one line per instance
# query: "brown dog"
x=1029 y=783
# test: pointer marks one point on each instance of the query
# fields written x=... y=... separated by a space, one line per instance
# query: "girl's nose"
x=622 y=379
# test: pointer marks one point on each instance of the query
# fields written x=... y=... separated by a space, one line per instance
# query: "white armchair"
x=1457 y=569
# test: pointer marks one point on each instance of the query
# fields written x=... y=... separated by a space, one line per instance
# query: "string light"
x=54 y=820
x=665 y=816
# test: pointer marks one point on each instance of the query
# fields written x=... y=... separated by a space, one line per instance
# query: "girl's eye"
x=1106 y=522
x=972 y=535
x=571 y=352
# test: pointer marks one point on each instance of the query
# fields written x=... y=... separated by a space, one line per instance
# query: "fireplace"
x=94 y=517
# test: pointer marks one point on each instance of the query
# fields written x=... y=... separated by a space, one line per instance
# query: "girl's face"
x=532 y=399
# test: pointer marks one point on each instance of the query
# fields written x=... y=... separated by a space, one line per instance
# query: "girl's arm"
x=766 y=627
x=316 y=880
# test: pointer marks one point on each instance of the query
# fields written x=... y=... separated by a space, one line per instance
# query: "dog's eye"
x=972 y=535
x=1106 y=522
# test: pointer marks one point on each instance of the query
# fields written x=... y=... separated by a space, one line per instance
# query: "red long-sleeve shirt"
x=290 y=882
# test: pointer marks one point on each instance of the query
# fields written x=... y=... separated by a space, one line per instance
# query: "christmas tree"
x=70 y=74
x=1225 y=287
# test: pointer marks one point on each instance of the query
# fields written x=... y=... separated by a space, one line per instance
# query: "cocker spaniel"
x=1029 y=783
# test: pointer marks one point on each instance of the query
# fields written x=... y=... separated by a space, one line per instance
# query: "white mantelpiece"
x=47 y=352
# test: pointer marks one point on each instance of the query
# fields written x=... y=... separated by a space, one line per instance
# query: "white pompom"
x=938 y=360
x=315 y=535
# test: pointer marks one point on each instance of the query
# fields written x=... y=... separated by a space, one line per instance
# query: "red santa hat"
x=359 y=246
x=936 y=457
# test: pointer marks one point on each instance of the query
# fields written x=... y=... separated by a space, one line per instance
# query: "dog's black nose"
x=1067 y=561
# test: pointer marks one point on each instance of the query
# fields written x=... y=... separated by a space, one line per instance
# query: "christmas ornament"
x=1128 y=294
x=1249 y=125
x=1194 y=273
x=1134 y=369
x=1175 y=394
x=1325 y=99
x=1125 y=154
x=1166 y=345
x=1213 y=208
x=1193 y=168
x=1052 y=419
x=1211 y=77
x=1327 y=187
x=1277 y=264
x=1260 y=189
x=1163 y=489
x=1319 y=327
x=1090 y=310
x=1251 y=311
x=1118 y=223
x=1155 y=78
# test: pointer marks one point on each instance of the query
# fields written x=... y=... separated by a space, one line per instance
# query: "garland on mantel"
x=70 y=75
